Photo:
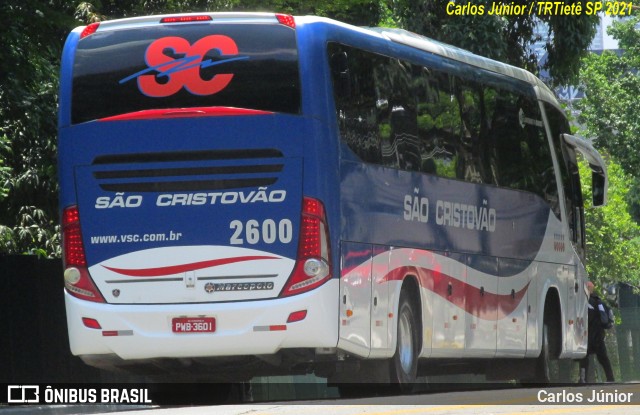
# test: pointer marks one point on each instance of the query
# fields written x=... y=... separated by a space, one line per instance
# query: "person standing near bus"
x=596 y=342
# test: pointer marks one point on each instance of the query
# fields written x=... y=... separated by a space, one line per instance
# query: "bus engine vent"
x=188 y=170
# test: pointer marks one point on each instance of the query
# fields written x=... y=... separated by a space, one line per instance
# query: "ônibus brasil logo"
x=185 y=71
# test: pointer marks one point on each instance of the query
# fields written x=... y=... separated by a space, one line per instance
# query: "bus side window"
x=473 y=149
x=435 y=113
x=356 y=107
x=540 y=158
x=397 y=115
x=340 y=74
x=523 y=157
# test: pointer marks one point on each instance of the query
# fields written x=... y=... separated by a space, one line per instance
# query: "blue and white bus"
x=251 y=194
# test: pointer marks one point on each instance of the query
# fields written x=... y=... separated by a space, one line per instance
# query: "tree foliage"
x=610 y=110
x=358 y=12
x=32 y=33
x=506 y=38
x=613 y=237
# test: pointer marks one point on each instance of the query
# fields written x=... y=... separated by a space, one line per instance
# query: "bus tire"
x=542 y=364
x=404 y=364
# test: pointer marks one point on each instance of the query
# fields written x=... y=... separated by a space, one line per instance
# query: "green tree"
x=506 y=38
x=610 y=110
x=32 y=34
x=358 y=12
x=613 y=237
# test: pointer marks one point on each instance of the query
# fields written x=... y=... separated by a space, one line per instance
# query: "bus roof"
x=407 y=38
x=228 y=17
x=452 y=52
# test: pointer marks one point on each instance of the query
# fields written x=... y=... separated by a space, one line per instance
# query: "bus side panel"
x=66 y=74
x=483 y=302
x=65 y=154
x=355 y=299
x=422 y=215
x=449 y=304
x=569 y=276
x=580 y=329
x=381 y=340
x=512 y=331
x=533 y=342
x=426 y=267
x=392 y=207
x=549 y=275
x=548 y=280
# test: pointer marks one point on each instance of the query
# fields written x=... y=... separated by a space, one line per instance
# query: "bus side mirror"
x=341 y=77
x=600 y=180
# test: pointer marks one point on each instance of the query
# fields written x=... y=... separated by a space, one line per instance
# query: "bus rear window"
x=186 y=66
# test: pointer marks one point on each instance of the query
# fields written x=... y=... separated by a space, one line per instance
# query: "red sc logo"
x=185 y=72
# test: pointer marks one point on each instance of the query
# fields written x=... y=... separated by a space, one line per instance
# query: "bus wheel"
x=544 y=364
x=548 y=362
x=543 y=369
x=404 y=365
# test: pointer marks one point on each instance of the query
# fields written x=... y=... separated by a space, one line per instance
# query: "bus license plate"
x=193 y=324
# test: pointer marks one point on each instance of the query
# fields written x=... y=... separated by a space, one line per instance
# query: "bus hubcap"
x=405 y=343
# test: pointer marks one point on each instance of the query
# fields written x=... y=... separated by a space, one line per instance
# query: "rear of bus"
x=187 y=230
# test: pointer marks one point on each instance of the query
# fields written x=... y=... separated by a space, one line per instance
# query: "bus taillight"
x=186 y=19
x=89 y=30
x=76 y=275
x=313 y=265
x=286 y=20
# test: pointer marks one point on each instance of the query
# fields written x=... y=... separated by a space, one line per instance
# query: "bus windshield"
x=129 y=70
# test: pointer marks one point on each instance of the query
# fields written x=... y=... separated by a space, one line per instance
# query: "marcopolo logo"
x=23 y=394
x=166 y=75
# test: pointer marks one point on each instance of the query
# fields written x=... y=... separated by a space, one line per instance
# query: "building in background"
x=602 y=40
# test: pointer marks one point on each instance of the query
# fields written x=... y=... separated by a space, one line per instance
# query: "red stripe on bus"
x=177 y=269
x=480 y=303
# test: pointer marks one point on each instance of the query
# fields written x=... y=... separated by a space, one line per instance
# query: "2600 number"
x=254 y=232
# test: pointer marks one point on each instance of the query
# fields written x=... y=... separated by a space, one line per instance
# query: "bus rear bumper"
x=134 y=332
